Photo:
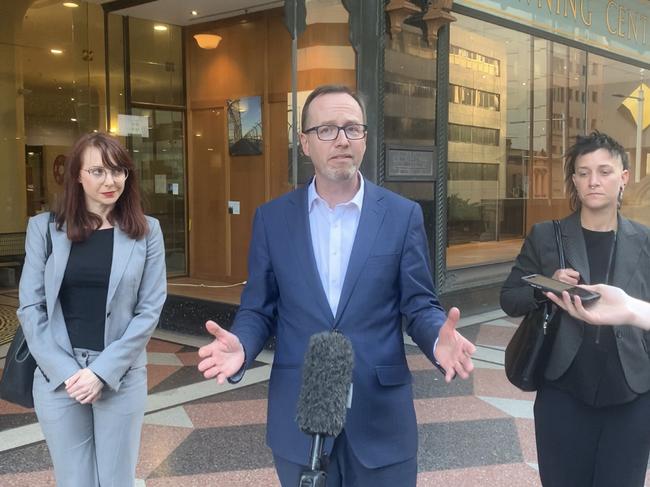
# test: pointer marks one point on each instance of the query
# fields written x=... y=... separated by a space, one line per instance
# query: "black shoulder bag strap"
x=550 y=309
x=48 y=237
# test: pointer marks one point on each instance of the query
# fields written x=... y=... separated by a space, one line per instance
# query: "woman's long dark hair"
x=72 y=210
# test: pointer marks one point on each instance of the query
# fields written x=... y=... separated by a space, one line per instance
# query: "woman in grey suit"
x=88 y=310
x=591 y=412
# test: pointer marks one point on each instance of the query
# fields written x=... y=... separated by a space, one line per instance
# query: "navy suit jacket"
x=388 y=278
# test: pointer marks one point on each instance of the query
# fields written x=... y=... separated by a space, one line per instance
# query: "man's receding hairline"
x=334 y=93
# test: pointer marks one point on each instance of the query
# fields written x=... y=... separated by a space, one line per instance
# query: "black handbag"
x=529 y=348
x=18 y=375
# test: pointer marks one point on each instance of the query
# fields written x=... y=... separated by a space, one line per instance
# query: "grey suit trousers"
x=93 y=445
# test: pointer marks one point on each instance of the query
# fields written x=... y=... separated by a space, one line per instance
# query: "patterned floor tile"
x=30 y=458
x=526 y=432
x=494 y=383
x=228 y=413
x=474 y=433
x=218 y=450
x=32 y=479
x=8 y=421
x=498 y=336
x=157 y=443
x=162 y=346
x=513 y=475
x=419 y=362
x=515 y=408
x=451 y=409
x=464 y=444
x=159 y=373
x=429 y=383
x=262 y=477
x=176 y=417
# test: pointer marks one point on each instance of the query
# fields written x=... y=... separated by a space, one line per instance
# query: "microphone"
x=322 y=404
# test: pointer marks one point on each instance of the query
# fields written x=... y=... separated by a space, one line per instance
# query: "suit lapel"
x=60 y=254
x=299 y=233
x=575 y=250
x=372 y=215
x=629 y=243
x=122 y=248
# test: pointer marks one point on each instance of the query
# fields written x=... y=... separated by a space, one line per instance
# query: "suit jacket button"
x=619 y=334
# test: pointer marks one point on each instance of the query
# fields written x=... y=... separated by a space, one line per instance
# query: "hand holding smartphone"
x=547 y=284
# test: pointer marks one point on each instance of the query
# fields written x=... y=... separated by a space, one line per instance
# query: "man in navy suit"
x=344 y=254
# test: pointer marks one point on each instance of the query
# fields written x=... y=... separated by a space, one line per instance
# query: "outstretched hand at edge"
x=222 y=358
x=453 y=351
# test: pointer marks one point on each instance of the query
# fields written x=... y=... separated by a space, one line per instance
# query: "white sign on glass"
x=133 y=125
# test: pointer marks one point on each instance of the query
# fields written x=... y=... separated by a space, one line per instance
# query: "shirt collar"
x=357 y=199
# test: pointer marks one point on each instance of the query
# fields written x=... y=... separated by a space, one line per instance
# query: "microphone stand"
x=314 y=477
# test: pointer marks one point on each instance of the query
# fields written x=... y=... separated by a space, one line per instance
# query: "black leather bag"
x=18 y=375
x=529 y=348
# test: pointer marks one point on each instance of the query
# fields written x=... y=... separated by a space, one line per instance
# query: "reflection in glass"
x=613 y=107
x=489 y=75
x=160 y=161
x=410 y=108
x=516 y=103
x=156 y=61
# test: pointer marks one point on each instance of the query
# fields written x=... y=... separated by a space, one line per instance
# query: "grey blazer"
x=631 y=273
x=136 y=293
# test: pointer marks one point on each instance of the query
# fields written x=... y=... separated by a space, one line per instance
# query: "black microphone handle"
x=316 y=451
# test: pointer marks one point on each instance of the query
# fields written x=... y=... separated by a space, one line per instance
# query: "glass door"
x=160 y=161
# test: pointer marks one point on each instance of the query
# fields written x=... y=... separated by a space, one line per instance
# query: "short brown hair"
x=586 y=144
x=72 y=210
x=327 y=90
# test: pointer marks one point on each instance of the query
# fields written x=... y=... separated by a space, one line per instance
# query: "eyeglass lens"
x=331 y=132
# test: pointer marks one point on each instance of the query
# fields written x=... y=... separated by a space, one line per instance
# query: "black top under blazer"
x=631 y=273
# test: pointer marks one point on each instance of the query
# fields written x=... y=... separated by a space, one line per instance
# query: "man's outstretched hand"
x=222 y=358
x=453 y=351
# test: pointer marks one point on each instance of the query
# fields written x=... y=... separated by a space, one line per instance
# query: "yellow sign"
x=640 y=96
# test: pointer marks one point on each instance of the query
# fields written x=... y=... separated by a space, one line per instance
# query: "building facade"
x=471 y=105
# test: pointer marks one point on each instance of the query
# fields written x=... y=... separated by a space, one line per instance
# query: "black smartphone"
x=552 y=285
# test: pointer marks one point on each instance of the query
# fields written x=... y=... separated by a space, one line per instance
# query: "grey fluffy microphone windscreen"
x=326 y=377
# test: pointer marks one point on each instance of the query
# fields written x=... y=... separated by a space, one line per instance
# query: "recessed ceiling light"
x=160 y=27
x=70 y=4
x=195 y=13
x=73 y=119
x=71 y=99
x=56 y=51
x=60 y=88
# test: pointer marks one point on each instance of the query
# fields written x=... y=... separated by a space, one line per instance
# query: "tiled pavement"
x=472 y=433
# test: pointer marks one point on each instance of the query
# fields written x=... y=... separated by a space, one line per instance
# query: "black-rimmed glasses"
x=353 y=131
x=119 y=174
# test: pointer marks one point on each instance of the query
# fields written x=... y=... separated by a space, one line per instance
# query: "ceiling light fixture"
x=160 y=27
x=70 y=4
x=207 y=41
x=195 y=13
x=56 y=51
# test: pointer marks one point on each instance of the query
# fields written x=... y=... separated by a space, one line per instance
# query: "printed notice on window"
x=133 y=125
x=410 y=163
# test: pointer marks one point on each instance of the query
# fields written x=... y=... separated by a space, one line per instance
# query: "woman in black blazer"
x=591 y=412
